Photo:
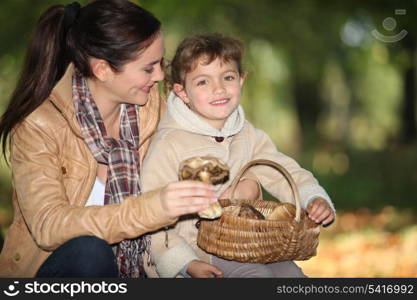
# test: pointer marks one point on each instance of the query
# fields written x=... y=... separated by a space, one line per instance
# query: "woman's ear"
x=180 y=92
x=101 y=69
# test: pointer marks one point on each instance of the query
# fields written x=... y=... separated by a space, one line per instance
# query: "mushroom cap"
x=204 y=168
x=249 y=212
x=207 y=169
x=283 y=211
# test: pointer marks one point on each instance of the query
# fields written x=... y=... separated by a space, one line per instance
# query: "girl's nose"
x=219 y=88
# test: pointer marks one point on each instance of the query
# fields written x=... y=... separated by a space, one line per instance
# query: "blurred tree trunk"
x=409 y=130
x=308 y=106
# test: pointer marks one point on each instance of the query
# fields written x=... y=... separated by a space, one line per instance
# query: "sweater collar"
x=190 y=121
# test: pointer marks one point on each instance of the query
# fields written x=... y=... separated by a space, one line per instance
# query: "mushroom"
x=249 y=212
x=283 y=211
x=209 y=170
x=286 y=212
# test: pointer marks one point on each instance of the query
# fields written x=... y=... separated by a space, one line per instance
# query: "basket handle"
x=278 y=167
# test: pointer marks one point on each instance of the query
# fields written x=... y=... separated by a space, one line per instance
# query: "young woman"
x=78 y=123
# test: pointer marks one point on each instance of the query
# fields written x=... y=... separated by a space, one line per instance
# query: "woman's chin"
x=139 y=100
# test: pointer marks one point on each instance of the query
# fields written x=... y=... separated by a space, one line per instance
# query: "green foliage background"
x=319 y=83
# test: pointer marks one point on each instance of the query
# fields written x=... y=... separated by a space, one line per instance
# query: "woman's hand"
x=246 y=189
x=320 y=211
x=201 y=269
x=187 y=197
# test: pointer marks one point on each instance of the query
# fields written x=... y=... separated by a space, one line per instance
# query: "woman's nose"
x=158 y=74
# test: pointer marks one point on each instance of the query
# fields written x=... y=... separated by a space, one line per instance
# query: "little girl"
x=204 y=118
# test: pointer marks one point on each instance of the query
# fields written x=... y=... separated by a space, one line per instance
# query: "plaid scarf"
x=121 y=157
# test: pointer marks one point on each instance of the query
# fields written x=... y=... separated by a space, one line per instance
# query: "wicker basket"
x=260 y=241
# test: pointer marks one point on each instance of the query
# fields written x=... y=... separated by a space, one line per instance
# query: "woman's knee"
x=85 y=256
x=93 y=257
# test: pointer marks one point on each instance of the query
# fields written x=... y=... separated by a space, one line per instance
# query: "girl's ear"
x=180 y=92
x=101 y=69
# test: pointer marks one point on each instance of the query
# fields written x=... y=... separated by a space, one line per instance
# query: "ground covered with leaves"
x=367 y=244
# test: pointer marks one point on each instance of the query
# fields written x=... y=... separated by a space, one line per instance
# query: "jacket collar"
x=61 y=98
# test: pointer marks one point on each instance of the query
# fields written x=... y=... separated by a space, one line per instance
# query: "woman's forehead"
x=153 y=53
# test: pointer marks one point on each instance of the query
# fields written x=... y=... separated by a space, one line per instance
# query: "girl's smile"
x=220 y=102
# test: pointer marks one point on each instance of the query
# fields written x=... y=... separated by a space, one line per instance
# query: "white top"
x=97 y=194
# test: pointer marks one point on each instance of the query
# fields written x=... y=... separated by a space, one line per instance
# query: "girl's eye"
x=201 y=82
x=149 y=70
x=229 y=78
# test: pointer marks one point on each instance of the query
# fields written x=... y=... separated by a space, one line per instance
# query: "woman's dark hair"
x=112 y=30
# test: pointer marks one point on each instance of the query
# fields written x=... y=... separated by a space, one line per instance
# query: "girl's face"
x=134 y=82
x=212 y=90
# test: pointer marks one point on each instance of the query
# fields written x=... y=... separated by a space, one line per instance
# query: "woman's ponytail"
x=45 y=63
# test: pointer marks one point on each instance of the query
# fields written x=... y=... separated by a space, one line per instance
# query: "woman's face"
x=134 y=82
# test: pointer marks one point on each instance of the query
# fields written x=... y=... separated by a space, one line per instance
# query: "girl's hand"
x=246 y=189
x=187 y=197
x=201 y=269
x=320 y=211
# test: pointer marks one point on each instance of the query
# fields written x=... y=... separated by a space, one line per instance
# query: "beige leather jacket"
x=53 y=173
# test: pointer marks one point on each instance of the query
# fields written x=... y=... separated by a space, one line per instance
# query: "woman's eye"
x=229 y=78
x=149 y=70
